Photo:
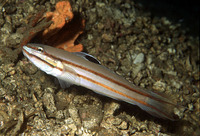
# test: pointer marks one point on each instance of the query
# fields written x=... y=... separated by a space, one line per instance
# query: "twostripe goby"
x=74 y=68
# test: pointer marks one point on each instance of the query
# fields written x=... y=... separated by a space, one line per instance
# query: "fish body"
x=75 y=68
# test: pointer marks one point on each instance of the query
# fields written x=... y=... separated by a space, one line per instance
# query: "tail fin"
x=160 y=105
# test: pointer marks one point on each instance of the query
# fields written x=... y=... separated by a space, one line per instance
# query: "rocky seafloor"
x=150 y=51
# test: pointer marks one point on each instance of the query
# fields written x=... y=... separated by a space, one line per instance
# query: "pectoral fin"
x=68 y=77
x=64 y=84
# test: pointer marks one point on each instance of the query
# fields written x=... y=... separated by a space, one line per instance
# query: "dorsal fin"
x=87 y=57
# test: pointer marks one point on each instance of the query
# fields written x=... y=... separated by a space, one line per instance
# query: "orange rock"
x=66 y=38
x=62 y=15
x=65 y=29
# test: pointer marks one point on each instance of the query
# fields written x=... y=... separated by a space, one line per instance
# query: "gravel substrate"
x=150 y=51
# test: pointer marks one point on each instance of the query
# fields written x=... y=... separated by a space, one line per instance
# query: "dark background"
x=184 y=11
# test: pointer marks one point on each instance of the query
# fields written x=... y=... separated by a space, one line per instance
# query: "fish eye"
x=40 y=49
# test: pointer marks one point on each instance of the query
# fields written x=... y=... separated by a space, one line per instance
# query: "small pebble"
x=139 y=58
